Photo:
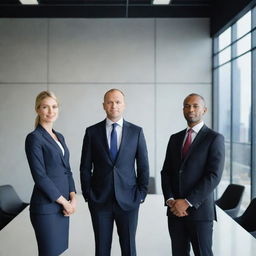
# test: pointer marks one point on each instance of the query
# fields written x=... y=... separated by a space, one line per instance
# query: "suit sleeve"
x=165 y=178
x=72 y=187
x=213 y=172
x=86 y=166
x=142 y=166
x=35 y=158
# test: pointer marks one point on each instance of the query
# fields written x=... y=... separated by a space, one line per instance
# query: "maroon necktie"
x=187 y=143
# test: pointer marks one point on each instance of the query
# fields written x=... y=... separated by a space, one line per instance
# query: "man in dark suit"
x=111 y=184
x=192 y=170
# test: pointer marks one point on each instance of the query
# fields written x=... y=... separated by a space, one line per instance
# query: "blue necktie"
x=113 y=142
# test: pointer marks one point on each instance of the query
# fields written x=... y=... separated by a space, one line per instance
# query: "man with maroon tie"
x=192 y=170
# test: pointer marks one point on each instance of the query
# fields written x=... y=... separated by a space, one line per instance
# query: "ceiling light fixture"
x=161 y=2
x=28 y=1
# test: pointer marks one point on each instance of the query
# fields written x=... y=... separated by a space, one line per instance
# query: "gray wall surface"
x=156 y=62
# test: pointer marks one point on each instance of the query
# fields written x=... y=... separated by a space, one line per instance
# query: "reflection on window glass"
x=243 y=45
x=225 y=100
x=225 y=39
x=244 y=25
x=241 y=126
x=224 y=56
x=224 y=114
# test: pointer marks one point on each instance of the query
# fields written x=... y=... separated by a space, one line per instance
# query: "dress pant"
x=103 y=219
x=184 y=232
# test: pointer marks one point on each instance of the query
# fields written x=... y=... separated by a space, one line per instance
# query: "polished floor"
x=152 y=236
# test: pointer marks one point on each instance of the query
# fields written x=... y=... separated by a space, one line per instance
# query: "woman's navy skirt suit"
x=53 y=178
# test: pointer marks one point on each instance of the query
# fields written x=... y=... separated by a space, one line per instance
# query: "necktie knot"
x=114 y=125
x=189 y=131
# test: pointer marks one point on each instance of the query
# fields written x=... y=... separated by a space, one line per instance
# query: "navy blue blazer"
x=196 y=176
x=50 y=170
x=101 y=178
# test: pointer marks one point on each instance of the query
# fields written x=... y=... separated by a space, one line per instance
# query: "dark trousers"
x=185 y=232
x=103 y=219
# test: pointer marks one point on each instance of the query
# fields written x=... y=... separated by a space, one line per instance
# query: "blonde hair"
x=40 y=97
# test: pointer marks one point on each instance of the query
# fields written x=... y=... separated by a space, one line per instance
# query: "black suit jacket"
x=50 y=170
x=102 y=179
x=196 y=176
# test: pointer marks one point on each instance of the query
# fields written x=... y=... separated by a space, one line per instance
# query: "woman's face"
x=48 y=110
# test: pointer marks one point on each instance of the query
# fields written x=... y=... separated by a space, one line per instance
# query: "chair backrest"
x=248 y=219
x=231 y=197
x=10 y=202
x=4 y=219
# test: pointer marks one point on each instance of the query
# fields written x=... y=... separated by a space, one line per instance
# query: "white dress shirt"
x=119 y=129
x=59 y=144
x=195 y=131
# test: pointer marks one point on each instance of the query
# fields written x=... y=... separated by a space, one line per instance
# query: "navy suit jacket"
x=196 y=176
x=102 y=179
x=50 y=170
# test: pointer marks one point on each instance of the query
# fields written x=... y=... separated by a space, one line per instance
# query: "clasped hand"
x=69 y=207
x=178 y=207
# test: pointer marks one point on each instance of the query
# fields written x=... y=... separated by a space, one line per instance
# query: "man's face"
x=193 y=110
x=114 y=105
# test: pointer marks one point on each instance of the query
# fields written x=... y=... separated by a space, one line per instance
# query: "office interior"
x=155 y=54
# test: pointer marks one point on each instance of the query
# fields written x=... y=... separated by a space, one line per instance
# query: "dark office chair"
x=151 y=186
x=248 y=219
x=230 y=200
x=10 y=205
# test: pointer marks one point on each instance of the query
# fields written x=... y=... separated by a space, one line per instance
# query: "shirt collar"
x=119 y=122
x=197 y=127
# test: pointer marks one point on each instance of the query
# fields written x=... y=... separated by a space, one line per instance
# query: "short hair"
x=112 y=90
x=197 y=95
x=40 y=97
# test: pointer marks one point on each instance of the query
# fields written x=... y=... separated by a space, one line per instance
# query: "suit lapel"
x=125 y=136
x=103 y=138
x=180 y=139
x=64 y=157
x=198 y=139
x=48 y=137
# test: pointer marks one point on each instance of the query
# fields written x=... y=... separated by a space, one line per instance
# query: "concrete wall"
x=156 y=62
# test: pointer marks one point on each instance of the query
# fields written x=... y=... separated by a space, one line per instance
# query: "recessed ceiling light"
x=161 y=2
x=28 y=1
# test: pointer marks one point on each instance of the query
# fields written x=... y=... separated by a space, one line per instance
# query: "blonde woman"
x=53 y=198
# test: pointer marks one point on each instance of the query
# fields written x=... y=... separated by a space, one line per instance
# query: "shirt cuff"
x=169 y=200
x=188 y=203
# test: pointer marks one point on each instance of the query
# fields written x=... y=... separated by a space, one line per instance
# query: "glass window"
x=243 y=25
x=253 y=17
x=224 y=98
x=243 y=45
x=225 y=56
x=224 y=116
x=241 y=126
x=233 y=64
x=225 y=39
